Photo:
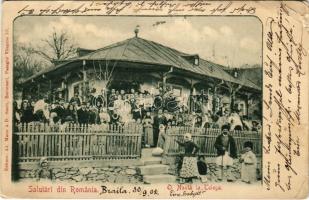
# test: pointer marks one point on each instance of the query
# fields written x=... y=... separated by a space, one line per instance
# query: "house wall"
x=150 y=81
x=147 y=82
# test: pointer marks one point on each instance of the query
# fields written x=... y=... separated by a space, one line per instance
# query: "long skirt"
x=248 y=172
x=189 y=168
x=149 y=136
x=161 y=140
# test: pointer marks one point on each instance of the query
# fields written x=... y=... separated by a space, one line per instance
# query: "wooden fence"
x=77 y=142
x=205 y=139
x=96 y=142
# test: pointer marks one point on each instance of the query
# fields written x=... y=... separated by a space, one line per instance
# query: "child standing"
x=189 y=168
x=202 y=168
x=44 y=171
x=248 y=166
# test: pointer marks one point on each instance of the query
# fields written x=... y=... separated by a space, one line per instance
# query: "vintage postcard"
x=154 y=99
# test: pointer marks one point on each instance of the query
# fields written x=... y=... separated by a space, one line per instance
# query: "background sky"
x=231 y=41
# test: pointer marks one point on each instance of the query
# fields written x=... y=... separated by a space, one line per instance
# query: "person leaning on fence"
x=248 y=164
x=226 y=152
x=189 y=168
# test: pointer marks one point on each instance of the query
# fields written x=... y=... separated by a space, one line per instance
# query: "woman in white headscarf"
x=189 y=168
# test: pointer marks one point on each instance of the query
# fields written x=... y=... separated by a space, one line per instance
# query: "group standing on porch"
x=137 y=107
x=121 y=107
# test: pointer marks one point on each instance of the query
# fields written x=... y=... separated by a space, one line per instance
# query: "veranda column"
x=214 y=99
x=39 y=86
x=50 y=98
x=164 y=76
x=84 y=81
x=232 y=99
x=247 y=104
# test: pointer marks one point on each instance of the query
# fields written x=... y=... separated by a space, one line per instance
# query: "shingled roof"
x=140 y=50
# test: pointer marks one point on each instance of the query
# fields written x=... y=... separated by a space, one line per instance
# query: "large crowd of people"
x=120 y=107
x=156 y=113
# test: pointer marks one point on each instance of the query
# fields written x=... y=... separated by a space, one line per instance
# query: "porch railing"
x=109 y=142
x=77 y=142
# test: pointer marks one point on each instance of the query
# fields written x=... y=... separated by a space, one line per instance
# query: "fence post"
x=139 y=143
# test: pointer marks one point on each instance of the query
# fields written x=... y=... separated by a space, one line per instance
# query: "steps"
x=165 y=178
x=152 y=170
x=151 y=161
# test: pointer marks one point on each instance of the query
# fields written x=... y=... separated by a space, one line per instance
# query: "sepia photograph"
x=137 y=99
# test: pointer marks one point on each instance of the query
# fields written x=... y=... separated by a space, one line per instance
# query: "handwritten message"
x=283 y=74
x=119 y=7
x=284 y=89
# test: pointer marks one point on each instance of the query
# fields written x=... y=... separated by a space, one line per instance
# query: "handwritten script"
x=119 y=7
x=283 y=73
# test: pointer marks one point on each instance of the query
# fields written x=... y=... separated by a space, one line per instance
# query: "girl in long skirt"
x=248 y=164
x=148 y=122
x=189 y=168
x=161 y=138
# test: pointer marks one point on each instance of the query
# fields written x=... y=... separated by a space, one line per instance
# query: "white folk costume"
x=161 y=137
x=248 y=167
x=235 y=121
x=125 y=112
x=104 y=117
x=226 y=151
x=224 y=160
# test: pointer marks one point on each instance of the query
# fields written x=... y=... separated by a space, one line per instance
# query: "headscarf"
x=43 y=160
x=188 y=135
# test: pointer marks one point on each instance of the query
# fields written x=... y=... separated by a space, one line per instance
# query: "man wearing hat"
x=60 y=112
x=82 y=114
x=226 y=152
x=75 y=99
x=255 y=126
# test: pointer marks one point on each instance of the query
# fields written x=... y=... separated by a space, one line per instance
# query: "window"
x=196 y=61
x=79 y=88
x=235 y=74
x=176 y=91
x=76 y=89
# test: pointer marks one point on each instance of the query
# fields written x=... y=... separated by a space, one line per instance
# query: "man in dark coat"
x=75 y=99
x=226 y=152
x=82 y=114
x=60 y=111
x=159 y=119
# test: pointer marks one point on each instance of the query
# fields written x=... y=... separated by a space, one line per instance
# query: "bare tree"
x=58 y=46
x=25 y=63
